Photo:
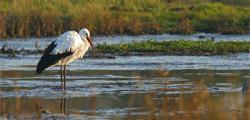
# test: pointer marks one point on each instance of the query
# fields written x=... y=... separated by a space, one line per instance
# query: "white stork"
x=64 y=49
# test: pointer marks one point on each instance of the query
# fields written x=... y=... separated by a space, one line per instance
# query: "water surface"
x=127 y=87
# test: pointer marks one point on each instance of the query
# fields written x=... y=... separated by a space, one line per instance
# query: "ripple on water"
x=224 y=62
x=82 y=88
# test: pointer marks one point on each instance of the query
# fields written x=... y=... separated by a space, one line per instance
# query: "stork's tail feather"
x=48 y=60
x=42 y=65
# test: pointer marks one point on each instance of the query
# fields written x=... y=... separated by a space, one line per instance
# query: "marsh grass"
x=24 y=18
x=180 y=47
x=151 y=47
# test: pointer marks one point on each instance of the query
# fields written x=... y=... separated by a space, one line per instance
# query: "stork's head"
x=85 y=34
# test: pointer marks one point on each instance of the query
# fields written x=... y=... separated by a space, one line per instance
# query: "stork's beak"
x=90 y=42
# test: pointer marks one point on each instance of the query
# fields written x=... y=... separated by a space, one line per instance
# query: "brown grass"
x=25 y=18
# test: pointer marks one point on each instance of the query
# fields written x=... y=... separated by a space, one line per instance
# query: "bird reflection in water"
x=245 y=87
x=48 y=113
x=63 y=106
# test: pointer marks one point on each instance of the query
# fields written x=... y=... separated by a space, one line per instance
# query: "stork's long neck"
x=86 y=43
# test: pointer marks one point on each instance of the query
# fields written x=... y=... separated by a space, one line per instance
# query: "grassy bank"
x=181 y=47
x=41 y=18
x=151 y=47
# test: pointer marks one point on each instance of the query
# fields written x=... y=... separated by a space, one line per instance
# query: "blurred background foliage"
x=43 y=18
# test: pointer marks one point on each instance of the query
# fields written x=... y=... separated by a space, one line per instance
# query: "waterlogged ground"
x=143 y=87
x=126 y=87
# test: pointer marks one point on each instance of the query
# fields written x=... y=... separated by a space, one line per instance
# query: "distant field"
x=42 y=18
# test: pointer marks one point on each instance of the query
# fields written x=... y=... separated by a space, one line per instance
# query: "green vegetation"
x=180 y=47
x=235 y=2
x=152 y=47
x=42 y=18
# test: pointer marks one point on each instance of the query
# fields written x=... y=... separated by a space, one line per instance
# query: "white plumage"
x=70 y=41
x=66 y=48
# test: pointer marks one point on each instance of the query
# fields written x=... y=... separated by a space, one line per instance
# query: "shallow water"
x=128 y=87
x=112 y=93
x=225 y=62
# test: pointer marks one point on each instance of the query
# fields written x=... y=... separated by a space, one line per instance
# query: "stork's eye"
x=86 y=34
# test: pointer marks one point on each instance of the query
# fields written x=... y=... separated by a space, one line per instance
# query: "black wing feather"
x=50 y=59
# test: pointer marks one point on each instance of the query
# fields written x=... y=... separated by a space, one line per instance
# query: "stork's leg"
x=61 y=72
x=64 y=73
